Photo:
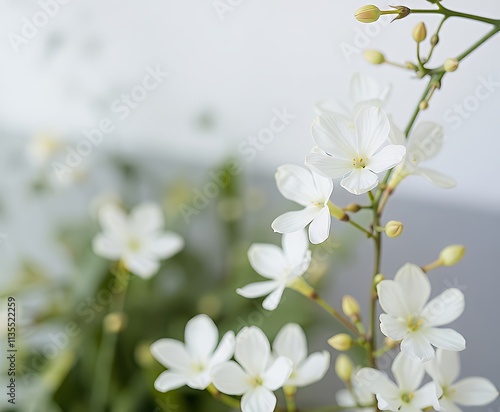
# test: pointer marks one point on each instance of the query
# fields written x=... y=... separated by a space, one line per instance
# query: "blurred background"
x=173 y=95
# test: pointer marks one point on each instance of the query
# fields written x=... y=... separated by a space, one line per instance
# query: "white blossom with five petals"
x=281 y=266
x=256 y=375
x=356 y=155
x=191 y=363
x=413 y=320
x=311 y=191
x=137 y=240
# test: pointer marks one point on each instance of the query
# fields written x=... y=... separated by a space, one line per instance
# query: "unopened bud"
x=350 y=307
x=419 y=32
x=337 y=212
x=367 y=14
x=393 y=228
x=344 y=367
x=377 y=279
x=410 y=65
x=341 y=342
x=451 y=255
x=434 y=40
x=423 y=105
x=114 y=322
x=373 y=57
x=450 y=65
x=353 y=207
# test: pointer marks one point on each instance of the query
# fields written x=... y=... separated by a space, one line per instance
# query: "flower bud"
x=353 y=207
x=114 y=322
x=434 y=40
x=451 y=255
x=367 y=14
x=337 y=212
x=450 y=65
x=341 y=342
x=373 y=57
x=419 y=32
x=410 y=65
x=350 y=307
x=377 y=279
x=393 y=228
x=343 y=367
x=423 y=105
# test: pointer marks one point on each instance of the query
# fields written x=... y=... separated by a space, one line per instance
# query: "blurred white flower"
x=424 y=142
x=356 y=154
x=136 y=240
x=291 y=343
x=475 y=391
x=282 y=266
x=191 y=363
x=411 y=319
x=42 y=148
x=362 y=395
x=311 y=191
x=257 y=377
x=404 y=395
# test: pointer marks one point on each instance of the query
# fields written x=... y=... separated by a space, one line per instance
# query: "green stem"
x=433 y=46
x=452 y=13
x=336 y=314
x=290 y=392
x=491 y=33
x=361 y=228
x=225 y=399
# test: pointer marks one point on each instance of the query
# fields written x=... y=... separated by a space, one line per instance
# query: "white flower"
x=363 y=396
x=469 y=392
x=405 y=395
x=424 y=143
x=257 y=377
x=291 y=343
x=191 y=363
x=414 y=321
x=137 y=240
x=311 y=191
x=356 y=154
x=282 y=266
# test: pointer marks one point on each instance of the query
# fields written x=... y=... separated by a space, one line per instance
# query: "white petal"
x=396 y=135
x=311 y=370
x=392 y=298
x=274 y=298
x=372 y=130
x=427 y=396
x=392 y=327
x=449 y=406
x=258 y=289
x=425 y=141
x=224 y=351
x=277 y=374
x=201 y=336
x=267 y=260
x=291 y=343
x=147 y=217
x=359 y=181
x=447 y=339
x=171 y=354
x=259 y=399
x=168 y=381
x=436 y=178
x=362 y=88
x=389 y=404
x=448 y=363
x=331 y=167
x=444 y=308
x=387 y=158
x=319 y=229
x=230 y=379
x=334 y=136
x=294 y=221
x=417 y=347
x=295 y=245
x=407 y=372
x=107 y=247
x=252 y=350
x=345 y=398
x=474 y=392
x=296 y=183
x=415 y=283
x=377 y=382
x=140 y=265
x=112 y=218
x=324 y=187
x=166 y=245
x=199 y=380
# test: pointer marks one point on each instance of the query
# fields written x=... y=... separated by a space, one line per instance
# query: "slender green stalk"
x=452 y=13
x=225 y=399
x=290 y=392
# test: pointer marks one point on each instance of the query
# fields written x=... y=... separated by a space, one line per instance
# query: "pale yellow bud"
x=393 y=228
x=353 y=207
x=367 y=14
x=419 y=32
x=114 y=322
x=341 y=342
x=350 y=307
x=143 y=356
x=374 y=57
x=377 y=279
x=450 y=65
x=451 y=255
x=423 y=105
x=337 y=212
x=344 y=367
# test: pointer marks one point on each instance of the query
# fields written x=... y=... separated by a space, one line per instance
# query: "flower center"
x=134 y=244
x=359 y=163
x=414 y=323
x=256 y=381
x=198 y=367
x=407 y=397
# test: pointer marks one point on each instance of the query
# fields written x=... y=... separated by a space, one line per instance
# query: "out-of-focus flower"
x=356 y=155
x=136 y=240
x=362 y=395
x=475 y=391
x=311 y=191
x=415 y=322
x=191 y=363
x=292 y=344
x=282 y=266
x=256 y=375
